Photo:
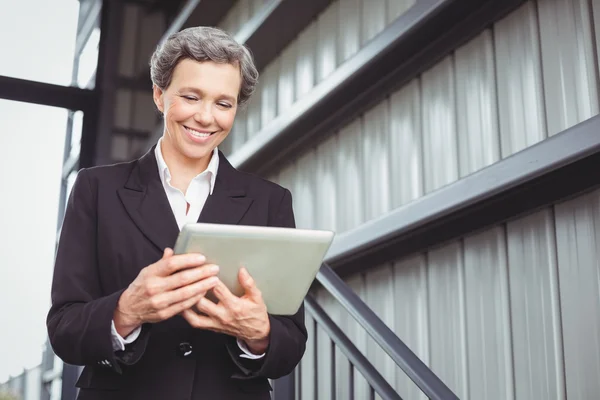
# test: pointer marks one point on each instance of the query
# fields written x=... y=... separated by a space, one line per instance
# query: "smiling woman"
x=123 y=305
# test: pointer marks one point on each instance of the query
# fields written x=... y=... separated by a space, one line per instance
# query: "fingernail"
x=214 y=269
x=200 y=258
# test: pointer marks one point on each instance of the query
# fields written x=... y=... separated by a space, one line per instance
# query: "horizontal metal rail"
x=412 y=365
x=356 y=358
x=542 y=174
x=415 y=41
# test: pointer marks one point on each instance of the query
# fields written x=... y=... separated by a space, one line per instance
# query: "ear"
x=157 y=94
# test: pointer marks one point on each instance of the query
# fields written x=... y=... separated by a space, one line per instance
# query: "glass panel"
x=88 y=60
x=76 y=134
x=37 y=38
x=33 y=142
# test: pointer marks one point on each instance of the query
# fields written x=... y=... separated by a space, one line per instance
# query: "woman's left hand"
x=244 y=317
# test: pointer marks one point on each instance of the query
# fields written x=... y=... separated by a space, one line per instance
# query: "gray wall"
x=508 y=313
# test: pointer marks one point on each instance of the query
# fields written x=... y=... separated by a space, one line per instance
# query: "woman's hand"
x=164 y=289
x=244 y=317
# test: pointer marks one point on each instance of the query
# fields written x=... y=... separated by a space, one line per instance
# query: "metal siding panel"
x=568 y=63
x=245 y=13
x=447 y=318
x=379 y=289
x=595 y=20
x=578 y=243
x=348 y=29
x=308 y=365
x=411 y=316
x=478 y=138
x=520 y=101
x=305 y=185
x=268 y=96
x=358 y=336
x=333 y=309
x=406 y=147
x=254 y=113
x=286 y=88
x=350 y=178
x=439 y=126
x=327 y=42
x=396 y=8
x=373 y=19
x=305 y=61
x=287 y=178
x=238 y=131
x=231 y=22
x=537 y=341
x=327 y=195
x=376 y=161
x=488 y=316
x=255 y=6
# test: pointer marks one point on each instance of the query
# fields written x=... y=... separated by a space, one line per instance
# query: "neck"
x=182 y=169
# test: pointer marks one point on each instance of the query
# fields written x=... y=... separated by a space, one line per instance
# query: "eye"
x=190 y=98
x=224 y=105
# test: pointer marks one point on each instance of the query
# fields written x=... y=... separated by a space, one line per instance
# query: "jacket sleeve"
x=287 y=340
x=80 y=317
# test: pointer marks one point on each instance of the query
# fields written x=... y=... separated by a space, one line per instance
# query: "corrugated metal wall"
x=512 y=312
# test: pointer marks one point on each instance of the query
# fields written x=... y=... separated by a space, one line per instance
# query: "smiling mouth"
x=198 y=134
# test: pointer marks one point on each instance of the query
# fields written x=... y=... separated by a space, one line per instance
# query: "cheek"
x=178 y=112
x=225 y=120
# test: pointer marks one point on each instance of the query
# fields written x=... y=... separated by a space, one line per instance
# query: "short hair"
x=203 y=44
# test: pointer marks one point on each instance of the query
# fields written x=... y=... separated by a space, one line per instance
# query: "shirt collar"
x=165 y=174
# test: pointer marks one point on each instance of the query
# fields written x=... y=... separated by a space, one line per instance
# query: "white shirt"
x=196 y=195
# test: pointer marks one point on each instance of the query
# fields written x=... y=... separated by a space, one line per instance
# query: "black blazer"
x=118 y=220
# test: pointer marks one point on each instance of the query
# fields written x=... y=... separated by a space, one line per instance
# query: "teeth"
x=197 y=134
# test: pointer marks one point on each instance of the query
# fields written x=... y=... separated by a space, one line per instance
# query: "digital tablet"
x=283 y=261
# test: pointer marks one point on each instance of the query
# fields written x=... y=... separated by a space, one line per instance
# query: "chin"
x=196 y=153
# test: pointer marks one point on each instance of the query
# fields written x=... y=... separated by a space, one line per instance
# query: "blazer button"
x=184 y=349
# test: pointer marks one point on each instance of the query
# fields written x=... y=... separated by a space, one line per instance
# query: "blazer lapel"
x=145 y=200
x=228 y=203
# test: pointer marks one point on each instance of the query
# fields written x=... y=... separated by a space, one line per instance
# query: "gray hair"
x=203 y=44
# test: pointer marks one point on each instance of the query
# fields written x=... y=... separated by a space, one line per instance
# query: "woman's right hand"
x=164 y=289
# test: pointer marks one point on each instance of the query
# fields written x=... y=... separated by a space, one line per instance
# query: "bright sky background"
x=37 y=41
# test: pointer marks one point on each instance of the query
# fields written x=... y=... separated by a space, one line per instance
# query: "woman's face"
x=199 y=107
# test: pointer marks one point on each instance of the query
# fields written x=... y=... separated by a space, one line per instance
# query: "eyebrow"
x=199 y=92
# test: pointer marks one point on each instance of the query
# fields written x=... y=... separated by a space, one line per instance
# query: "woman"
x=123 y=305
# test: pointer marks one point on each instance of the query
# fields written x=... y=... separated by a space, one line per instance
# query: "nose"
x=204 y=114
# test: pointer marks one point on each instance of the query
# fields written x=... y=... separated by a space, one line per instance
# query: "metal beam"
x=96 y=143
x=47 y=94
x=415 y=41
x=188 y=8
x=208 y=13
x=557 y=168
x=278 y=23
x=356 y=358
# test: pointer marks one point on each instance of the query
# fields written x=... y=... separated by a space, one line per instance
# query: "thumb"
x=247 y=282
x=167 y=253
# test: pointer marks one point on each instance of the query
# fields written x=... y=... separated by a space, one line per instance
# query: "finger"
x=223 y=294
x=189 y=276
x=168 y=266
x=201 y=321
x=184 y=293
x=177 y=308
x=209 y=308
x=247 y=282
